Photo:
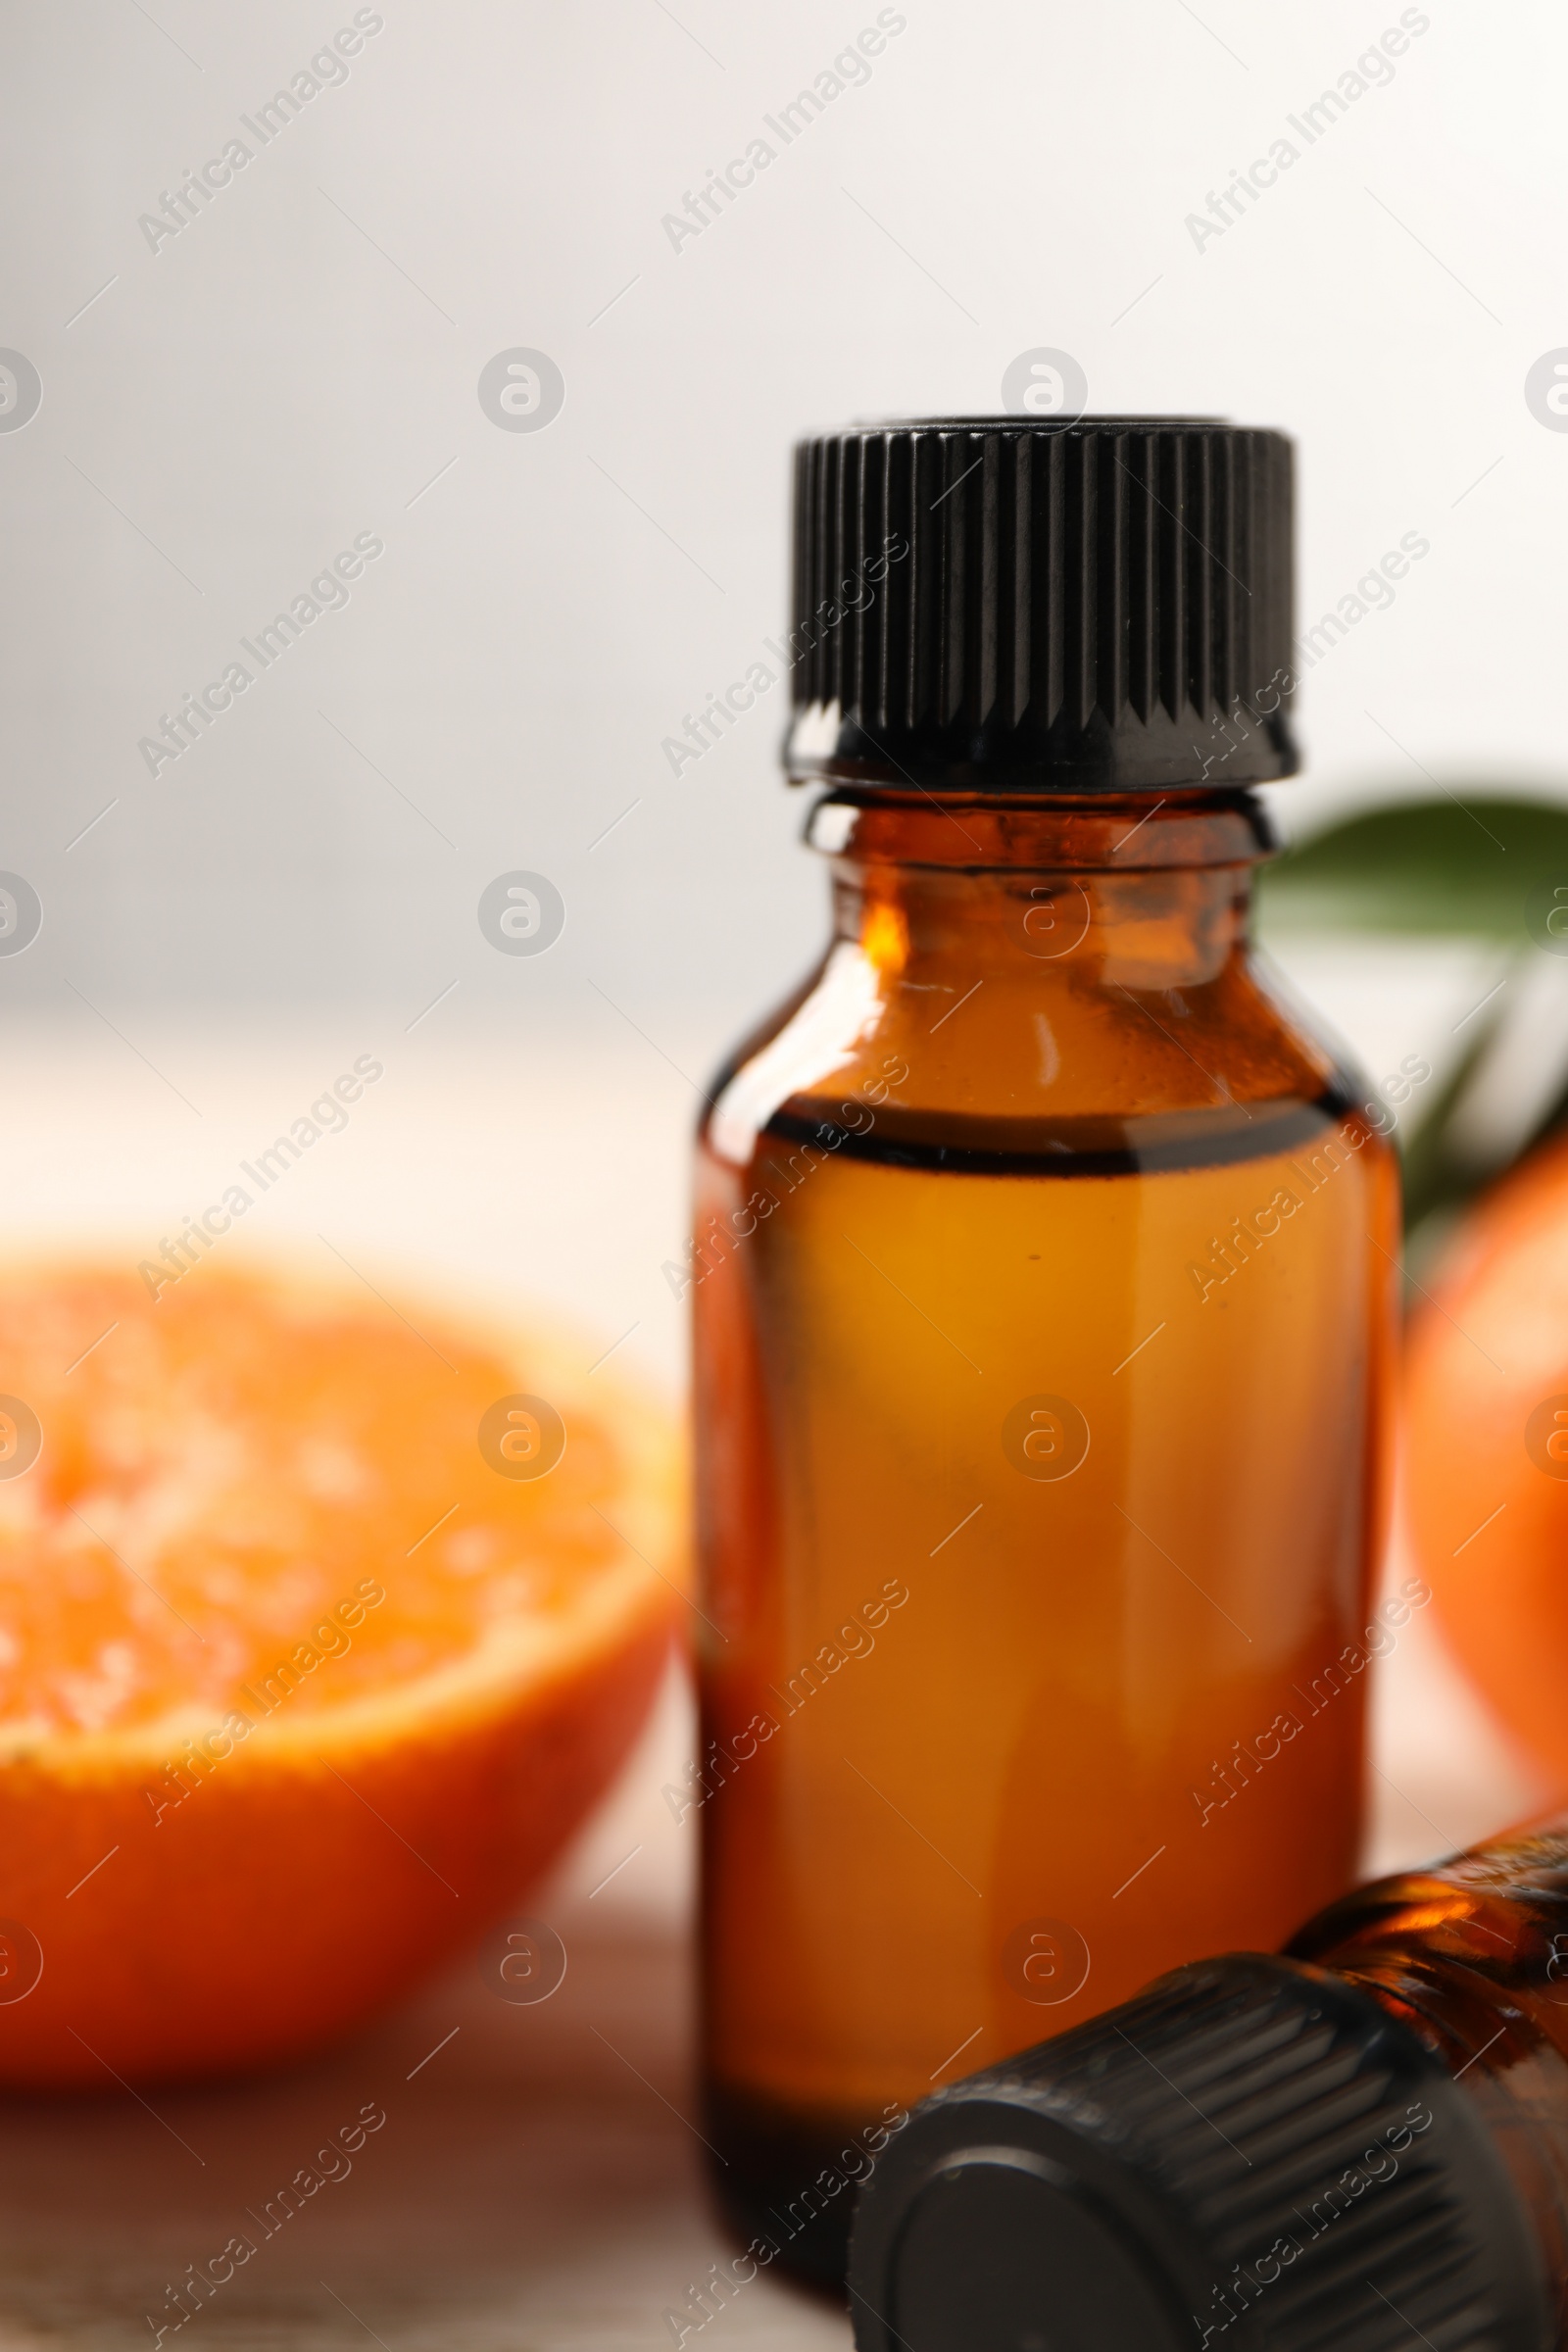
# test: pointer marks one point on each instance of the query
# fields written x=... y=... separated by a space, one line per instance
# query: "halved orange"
x=323 y=1619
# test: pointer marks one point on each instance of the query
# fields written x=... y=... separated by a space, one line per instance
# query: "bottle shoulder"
x=1060 y=1057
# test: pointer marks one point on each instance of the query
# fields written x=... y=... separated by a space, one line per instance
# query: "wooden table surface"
x=534 y=2185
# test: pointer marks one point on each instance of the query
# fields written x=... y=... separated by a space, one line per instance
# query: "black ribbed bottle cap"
x=1253 y=2155
x=1005 y=604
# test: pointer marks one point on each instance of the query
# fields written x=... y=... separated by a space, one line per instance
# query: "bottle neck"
x=1122 y=890
x=1473 y=1958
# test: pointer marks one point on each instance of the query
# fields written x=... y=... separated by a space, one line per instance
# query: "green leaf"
x=1467 y=866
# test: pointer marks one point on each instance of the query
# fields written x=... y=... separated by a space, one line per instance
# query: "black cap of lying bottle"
x=1251 y=2155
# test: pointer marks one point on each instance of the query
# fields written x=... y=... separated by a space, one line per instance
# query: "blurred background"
x=225 y=407
x=265 y=309
x=439 y=291
x=228 y=380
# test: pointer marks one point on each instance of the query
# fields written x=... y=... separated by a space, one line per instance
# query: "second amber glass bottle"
x=1042 y=1278
x=1362 y=2144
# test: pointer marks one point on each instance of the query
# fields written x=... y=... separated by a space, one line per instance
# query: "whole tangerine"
x=1485 y=1448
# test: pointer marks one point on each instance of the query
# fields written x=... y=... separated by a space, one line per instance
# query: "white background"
x=303 y=359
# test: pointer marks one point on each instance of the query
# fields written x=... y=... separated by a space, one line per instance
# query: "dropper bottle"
x=1043 y=1285
x=1362 y=2142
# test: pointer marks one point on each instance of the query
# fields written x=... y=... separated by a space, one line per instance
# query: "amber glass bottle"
x=1042 y=1289
x=1363 y=2144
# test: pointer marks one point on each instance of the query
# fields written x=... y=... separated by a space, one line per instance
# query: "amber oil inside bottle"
x=1042 y=1282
